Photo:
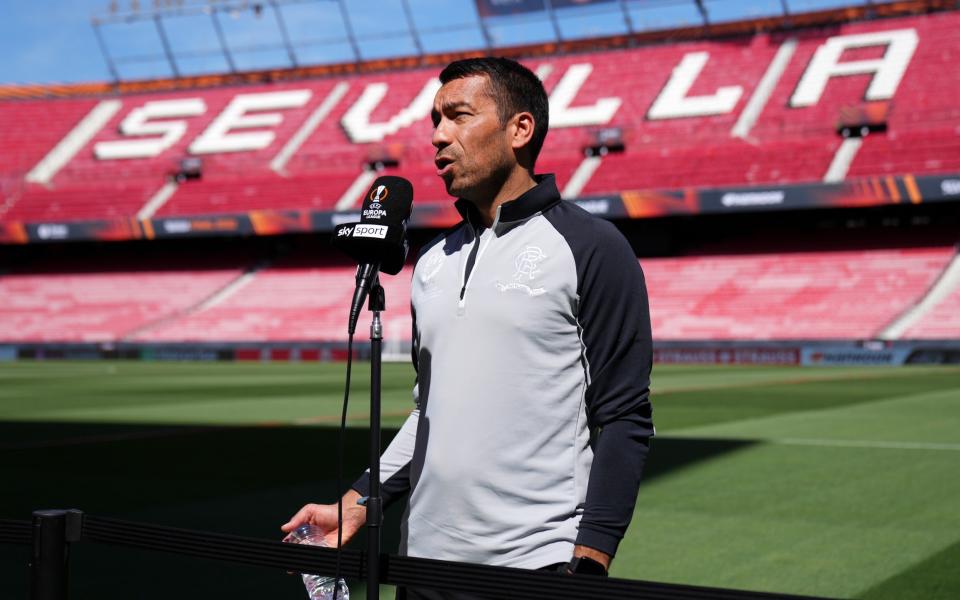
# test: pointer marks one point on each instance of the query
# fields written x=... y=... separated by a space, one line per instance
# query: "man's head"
x=490 y=117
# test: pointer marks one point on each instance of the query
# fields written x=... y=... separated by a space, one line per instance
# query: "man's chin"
x=452 y=188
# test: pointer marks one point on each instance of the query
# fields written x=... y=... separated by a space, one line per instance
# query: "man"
x=533 y=353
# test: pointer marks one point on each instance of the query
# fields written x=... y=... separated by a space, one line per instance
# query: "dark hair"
x=514 y=88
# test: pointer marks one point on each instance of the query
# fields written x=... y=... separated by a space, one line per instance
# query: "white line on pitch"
x=865 y=444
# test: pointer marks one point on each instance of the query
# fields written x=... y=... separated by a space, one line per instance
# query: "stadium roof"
x=175 y=44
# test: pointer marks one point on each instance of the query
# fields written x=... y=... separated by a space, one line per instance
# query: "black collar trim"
x=535 y=200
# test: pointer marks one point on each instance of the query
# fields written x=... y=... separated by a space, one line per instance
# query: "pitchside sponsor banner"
x=851 y=356
x=52 y=231
x=607 y=207
x=641 y=204
x=212 y=225
x=727 y=356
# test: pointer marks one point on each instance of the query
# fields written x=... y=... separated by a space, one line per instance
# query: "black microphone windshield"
x=388 y=202
x=381 y=235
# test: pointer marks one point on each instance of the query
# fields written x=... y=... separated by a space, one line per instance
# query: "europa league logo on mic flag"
x=380 y=236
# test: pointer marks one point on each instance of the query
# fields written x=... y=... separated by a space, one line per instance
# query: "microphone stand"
x=376 y=304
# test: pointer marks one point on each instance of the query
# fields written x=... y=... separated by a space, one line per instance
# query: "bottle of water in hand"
x=319 y=587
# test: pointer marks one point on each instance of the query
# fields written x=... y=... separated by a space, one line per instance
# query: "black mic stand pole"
x=376 y=304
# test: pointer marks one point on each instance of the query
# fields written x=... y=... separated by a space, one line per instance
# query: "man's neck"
x=519 y=181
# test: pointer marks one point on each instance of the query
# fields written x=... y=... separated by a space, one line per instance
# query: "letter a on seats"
x=887 y=71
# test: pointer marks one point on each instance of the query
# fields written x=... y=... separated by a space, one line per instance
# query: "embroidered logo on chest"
x=527 y=265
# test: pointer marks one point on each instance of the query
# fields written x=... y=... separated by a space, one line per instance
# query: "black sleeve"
x=614 y=317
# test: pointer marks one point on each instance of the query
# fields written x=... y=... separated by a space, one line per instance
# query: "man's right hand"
x=325 y=517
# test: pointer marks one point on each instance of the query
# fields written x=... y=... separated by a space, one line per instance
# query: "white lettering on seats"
x=563 y=115
x=673 y=101
x=887 y=71
x=356 y=121
x=220 y=136
x=138 y=123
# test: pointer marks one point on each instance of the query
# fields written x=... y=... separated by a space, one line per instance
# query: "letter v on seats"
x=356 y=121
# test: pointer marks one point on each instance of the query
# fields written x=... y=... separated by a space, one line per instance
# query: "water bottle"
x=319 y=587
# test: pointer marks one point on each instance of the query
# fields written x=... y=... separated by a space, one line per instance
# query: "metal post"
x=223 y=40
x=487 y=38
x=53 y=530
x=106 y=53
x=553 y=19
x=703 y=13
x=283 y=33
x=413 y=29
x=626 y=16
x=166 y=45
x=374 y=502
x=349 y=28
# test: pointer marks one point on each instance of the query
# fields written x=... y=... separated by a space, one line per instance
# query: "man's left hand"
x=601 y=557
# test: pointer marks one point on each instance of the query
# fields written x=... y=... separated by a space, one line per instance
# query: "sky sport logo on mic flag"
x=371 y=231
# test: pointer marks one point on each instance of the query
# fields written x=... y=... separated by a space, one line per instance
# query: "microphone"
x=379 y=241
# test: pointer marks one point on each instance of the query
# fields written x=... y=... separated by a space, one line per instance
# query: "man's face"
x=474 y=154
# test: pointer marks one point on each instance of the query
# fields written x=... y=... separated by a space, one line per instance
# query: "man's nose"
x=441 y=134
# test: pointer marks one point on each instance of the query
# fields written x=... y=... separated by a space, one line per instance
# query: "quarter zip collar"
x=534 y=201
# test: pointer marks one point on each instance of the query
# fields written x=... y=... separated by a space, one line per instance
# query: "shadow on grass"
x=936 y=578
x=240 y=480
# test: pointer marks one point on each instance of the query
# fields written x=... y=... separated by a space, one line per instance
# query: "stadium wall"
x=773 y=353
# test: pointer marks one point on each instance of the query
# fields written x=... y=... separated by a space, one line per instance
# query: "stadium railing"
x=52 y=531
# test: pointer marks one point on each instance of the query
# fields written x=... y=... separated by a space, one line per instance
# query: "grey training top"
x=533 y=353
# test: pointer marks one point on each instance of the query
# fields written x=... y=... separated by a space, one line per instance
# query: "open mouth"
x=443 y=165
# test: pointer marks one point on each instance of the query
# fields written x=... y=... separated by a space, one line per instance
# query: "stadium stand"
x=283 y=303
x=111 y=199
x=316 y=144
x=802 y=295
x=97 y=307
x=942 y=320
x=846 y=294
x=305 y=142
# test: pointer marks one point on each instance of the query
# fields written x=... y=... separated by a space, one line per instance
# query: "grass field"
x=831 y=482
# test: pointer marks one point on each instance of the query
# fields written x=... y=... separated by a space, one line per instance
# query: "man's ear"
x=521 y=130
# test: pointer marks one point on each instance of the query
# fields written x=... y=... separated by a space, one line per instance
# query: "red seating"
x=786 y=144
x=97 y=307
x=942 y=322
x=804 y=295
x=269 y=191
x=30 y=128
x=288 y=304
x=104 y=200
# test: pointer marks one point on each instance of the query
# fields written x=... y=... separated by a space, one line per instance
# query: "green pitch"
x=831 y=482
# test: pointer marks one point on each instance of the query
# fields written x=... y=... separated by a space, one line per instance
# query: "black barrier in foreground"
x=54 y=530
x=15 y=532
